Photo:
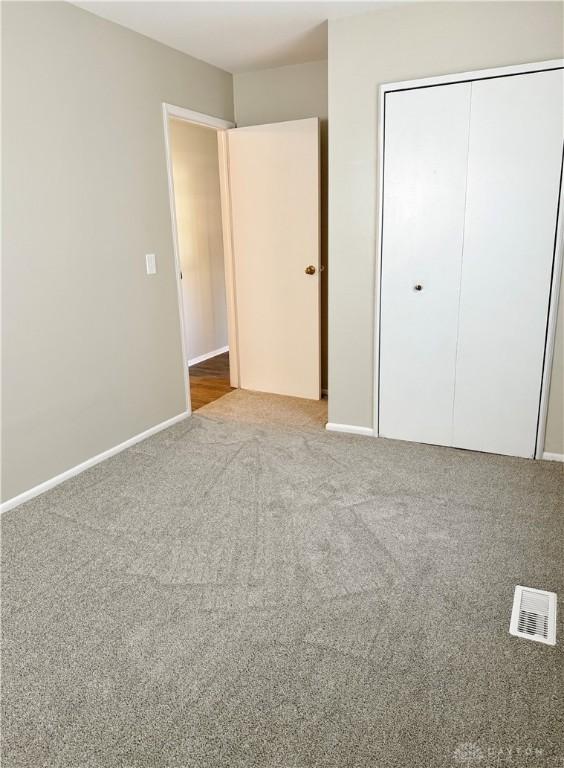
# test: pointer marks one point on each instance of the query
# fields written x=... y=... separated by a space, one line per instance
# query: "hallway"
x=209 y=380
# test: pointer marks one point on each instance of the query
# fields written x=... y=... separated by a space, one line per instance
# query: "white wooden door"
x=274 y=185
x=514 y=161
x=425 y=154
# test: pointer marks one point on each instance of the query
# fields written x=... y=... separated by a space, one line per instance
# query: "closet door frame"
x=558 y=256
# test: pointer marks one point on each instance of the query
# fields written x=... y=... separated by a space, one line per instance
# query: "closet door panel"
x=425 y=159
x=514 y=162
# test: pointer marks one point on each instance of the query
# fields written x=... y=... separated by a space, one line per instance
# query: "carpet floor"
x=234 y=594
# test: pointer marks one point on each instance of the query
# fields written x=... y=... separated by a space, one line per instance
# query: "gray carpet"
x=231 y=595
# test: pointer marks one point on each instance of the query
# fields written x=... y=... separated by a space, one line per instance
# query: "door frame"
x=558 y=254
x=221 y=127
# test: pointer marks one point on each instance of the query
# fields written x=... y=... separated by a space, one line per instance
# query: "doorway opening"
x=245 y=208
x=194 y=157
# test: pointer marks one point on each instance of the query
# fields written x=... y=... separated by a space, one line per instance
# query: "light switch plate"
x=151 y=262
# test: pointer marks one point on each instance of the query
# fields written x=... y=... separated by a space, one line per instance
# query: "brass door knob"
x=310 y=270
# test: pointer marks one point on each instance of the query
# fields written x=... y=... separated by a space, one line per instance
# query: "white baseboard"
x=350 y=429
x=553 y=456
x=201 y=358
x=52 y=482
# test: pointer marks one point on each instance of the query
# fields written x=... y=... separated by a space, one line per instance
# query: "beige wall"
x=91 y=344
x=195 y=166
x=419 y=40
x=291 y=93
x=283 y=93
x=554 y=441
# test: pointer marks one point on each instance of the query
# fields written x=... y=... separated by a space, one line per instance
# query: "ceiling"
x=236 y=36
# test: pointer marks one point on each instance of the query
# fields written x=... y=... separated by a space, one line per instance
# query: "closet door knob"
x=417 y=287
x=310 y=270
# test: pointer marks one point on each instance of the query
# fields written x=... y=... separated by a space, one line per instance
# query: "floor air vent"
x=534 y=615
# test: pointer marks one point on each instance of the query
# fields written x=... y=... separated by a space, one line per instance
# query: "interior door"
x=274 y=187
x=425 y=149
x=514 y=161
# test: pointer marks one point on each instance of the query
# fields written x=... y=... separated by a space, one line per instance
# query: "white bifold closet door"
x=514 y=162
x=424 y=198
x=471 y=180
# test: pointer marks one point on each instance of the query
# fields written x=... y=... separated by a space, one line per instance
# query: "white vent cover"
x=534 y=615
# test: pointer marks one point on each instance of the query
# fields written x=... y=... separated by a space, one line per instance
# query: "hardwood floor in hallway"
x=209 y=380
